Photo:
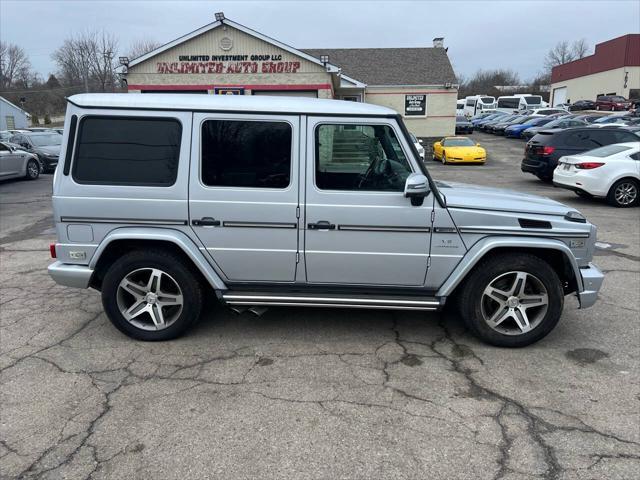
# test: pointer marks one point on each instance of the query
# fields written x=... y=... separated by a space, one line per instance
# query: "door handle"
x=206 y=222
x=321 y=225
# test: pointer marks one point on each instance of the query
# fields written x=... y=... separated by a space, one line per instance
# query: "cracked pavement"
x=311 y=393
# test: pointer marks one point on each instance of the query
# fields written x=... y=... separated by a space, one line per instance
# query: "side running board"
x=335 y=301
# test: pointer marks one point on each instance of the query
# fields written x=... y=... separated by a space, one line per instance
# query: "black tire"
x=472 y=292
x=33 y=169
x=183 y=275
x=633 y=187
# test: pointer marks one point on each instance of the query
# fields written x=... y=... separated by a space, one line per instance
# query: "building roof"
x=235 y=103
x=2 y=99
x=619 y=52
x=391 y=66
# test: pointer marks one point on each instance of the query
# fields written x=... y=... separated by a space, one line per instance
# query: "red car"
x=612 y=102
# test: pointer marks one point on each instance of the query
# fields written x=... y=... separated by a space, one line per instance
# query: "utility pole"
x=108 y=55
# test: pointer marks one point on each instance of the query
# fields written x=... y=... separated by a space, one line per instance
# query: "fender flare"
x=178 y=238
x=487 y=244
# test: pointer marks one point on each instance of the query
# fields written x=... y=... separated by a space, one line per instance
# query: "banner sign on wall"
x=415 y=105
x=229 y=64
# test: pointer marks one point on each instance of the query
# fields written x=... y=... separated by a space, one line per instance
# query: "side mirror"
x=416 y=188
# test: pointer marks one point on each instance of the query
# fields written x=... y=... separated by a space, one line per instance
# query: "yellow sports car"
x=458 y=150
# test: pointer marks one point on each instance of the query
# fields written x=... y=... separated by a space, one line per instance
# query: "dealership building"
x=613 y=69
x=227 y=58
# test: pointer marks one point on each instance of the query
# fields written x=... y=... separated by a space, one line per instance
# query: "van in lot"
x=512 y=103
x=477 y=104
x=163 y=200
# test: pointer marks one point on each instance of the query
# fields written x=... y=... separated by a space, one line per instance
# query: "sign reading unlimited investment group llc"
x=415 y=105
x=229 y=64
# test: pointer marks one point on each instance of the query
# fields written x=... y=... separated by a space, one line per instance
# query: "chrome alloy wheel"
x=514 y=303
x=33 y=169
x=150 y=299
x=626 y=193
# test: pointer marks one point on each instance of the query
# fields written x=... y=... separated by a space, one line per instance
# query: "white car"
x=611 y=172
x=418 y=144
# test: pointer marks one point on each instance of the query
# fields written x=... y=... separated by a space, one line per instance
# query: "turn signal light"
x=52 y=250
x=588 y=165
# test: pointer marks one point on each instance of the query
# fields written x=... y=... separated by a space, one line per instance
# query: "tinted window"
x=238 y=153
x=471 y=103
x=533 y=100
x=623 y=137
x=509 y=102
x=635 y=156
x=127 y=151
x=4 y=148
x=359 y=157
x=487 y=99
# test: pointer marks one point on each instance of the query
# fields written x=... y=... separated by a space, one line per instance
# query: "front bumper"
x=592 y=279
x=76 y=276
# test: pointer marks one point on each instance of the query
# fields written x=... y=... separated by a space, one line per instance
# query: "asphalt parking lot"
x=320 y=394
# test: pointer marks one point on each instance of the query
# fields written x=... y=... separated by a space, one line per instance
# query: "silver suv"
x=163 y=200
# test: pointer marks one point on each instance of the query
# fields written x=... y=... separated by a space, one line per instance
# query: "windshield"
x=611 y=119
x=508 y=118
x=458 y=142
x=606 y=151
x=533 y=100
x=540 y=121
x=46 y=140
x=487 y=99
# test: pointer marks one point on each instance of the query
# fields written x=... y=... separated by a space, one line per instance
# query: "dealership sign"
x=222 y=64
x=415 y=105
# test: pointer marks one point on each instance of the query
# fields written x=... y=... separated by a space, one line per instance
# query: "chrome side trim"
x=336 y=305
x=128 y=221
x=382 y=228
x=252 y=298
x=524 y=232
x=259 y=224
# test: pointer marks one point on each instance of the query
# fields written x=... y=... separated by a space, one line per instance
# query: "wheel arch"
x=554 y=252
x=126 y=239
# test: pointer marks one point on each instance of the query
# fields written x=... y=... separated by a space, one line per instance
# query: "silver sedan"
x=16 y=163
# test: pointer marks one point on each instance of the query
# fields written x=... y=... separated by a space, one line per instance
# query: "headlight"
x=574 y=216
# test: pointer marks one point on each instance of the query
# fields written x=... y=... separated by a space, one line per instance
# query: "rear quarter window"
x=127 y=151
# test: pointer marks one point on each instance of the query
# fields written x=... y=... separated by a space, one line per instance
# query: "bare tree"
x=561 y=53
x=88 y=59
x=580 y=48
x=141 y=47
x=14 y=65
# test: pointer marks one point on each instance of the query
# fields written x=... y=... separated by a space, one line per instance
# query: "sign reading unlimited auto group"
x=415 y=105
x=229 y=64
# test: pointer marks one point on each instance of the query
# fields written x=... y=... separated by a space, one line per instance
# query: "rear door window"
x=252 y=154
x=127 y=151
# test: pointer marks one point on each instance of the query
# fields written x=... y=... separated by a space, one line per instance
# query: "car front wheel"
x=512 y=300
x=151 y=295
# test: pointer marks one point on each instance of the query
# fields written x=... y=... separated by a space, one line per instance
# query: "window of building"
x=360 y=157
x=127 y=151
x=253 y=154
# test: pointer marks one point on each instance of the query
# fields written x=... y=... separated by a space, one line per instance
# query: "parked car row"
x=603 y=102
x=42 y=143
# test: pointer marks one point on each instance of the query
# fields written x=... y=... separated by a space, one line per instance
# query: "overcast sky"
x=513 y=34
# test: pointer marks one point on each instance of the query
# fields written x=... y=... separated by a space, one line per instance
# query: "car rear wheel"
x=151 y=295
x=512 y=300
x=624 y=193
x=33 y=169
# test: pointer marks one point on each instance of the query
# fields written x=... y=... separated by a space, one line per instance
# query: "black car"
x=558 y=123
x=542 y=152
x=463 y=125
x=488 y=127
x=582 y=105
x=501 y=127
x=45 y=145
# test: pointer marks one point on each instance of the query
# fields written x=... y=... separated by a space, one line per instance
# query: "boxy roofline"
x=231 y=103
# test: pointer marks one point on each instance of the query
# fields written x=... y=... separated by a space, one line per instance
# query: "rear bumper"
x=592 y=279
x=537 y=167
x=76 y=276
